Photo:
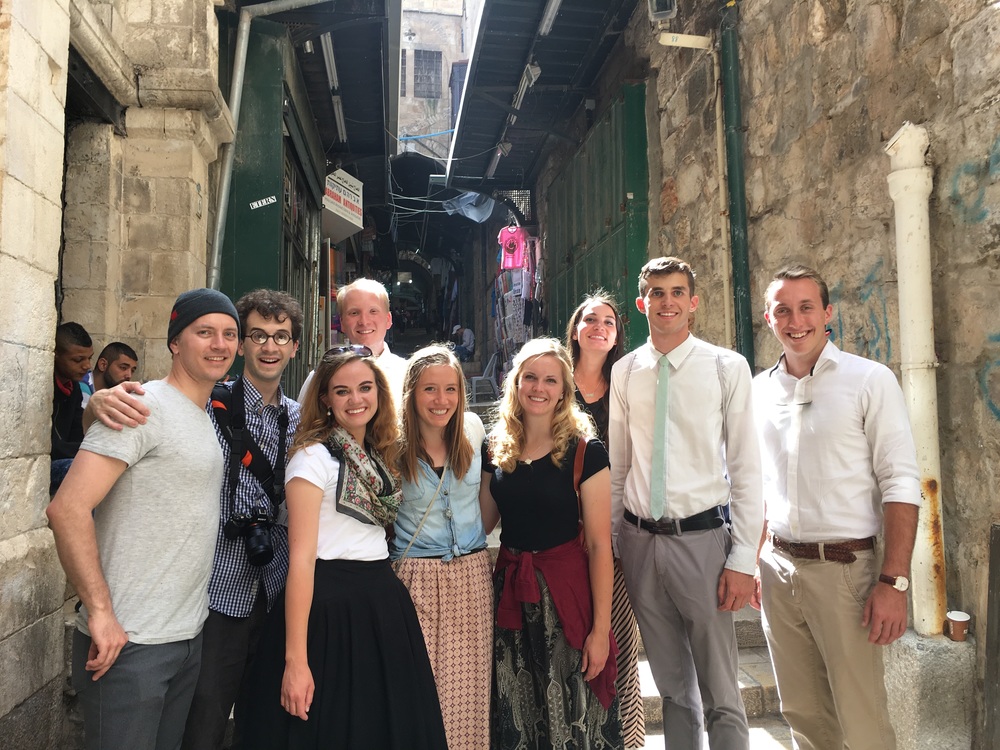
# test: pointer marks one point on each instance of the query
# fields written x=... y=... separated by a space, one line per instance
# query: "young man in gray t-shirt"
x=135 y=523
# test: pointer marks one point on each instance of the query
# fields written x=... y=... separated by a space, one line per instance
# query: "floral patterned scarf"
x=371 y=493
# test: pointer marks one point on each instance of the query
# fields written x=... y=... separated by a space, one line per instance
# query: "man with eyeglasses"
x=839 y=469
x=255 y=423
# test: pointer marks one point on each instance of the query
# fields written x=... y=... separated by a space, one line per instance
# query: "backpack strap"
x=581 y=450
x=229 y=407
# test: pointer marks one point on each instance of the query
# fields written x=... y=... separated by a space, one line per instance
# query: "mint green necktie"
x=658 y=472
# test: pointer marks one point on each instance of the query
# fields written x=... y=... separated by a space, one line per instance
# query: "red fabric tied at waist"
x=566 y=571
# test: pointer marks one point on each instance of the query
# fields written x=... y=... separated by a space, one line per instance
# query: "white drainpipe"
x=910 y=186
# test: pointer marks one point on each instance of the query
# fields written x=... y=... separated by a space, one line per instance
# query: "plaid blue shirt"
x=233 y=587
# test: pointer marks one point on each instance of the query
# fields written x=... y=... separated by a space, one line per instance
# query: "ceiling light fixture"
x=326 y=44
x=549 y=17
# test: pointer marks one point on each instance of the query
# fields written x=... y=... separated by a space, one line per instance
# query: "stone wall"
x=32 y=97
x=136 y=226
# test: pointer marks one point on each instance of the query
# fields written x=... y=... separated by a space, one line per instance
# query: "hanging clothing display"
x=514 y=292
x=513 y=241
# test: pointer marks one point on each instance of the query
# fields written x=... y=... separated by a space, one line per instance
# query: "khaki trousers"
x=830 y=678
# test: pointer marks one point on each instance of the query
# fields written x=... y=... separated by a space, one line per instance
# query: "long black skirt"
x=374 y=684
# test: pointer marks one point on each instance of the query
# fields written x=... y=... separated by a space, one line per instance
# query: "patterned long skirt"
x=626 y=631
x=540 y=699
x=454 y=605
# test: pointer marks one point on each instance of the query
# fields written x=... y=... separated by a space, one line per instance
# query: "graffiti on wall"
x=969 y=183
x=871 y=337
x=986 y=375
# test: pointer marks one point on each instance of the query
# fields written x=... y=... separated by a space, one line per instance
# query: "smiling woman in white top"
x=346 y=648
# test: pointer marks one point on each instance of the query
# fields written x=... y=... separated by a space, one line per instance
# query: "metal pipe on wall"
x=247 y=14
x=910 y=183
x=729 y=51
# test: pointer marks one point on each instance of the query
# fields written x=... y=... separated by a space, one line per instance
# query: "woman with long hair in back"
x=440 y=546
x=554 y=655
x=595 y=338
x=345 y=657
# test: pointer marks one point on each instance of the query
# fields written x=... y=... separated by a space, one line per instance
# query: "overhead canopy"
x=568 y=59
x=364 y=37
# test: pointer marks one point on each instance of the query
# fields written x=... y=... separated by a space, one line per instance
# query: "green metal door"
x=597 y=216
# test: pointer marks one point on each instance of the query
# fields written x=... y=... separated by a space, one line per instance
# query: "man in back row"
x=255 y=421
x=139 y=551
x=363 y=306
x=839 y=468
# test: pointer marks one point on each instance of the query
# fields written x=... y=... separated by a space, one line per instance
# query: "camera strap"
x=229 y=407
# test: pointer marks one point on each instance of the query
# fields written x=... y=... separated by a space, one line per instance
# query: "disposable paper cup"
x=957 y=626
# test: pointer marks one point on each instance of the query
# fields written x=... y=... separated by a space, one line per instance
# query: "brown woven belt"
x=842 y=552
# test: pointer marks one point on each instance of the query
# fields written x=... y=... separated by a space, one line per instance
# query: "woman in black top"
x=595 y=338
x=553 y=680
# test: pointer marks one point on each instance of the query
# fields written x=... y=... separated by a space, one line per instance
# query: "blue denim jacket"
x=454 y=525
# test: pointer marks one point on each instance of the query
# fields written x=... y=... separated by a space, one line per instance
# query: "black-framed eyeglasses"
x=260 y=338
x=360 y=350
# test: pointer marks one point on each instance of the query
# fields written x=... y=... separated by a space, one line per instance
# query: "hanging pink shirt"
x=513 y=241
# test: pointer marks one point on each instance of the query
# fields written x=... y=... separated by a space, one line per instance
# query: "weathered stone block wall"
x=135 y=234
x=32 y=96
x=137 y=214
x=825 y=84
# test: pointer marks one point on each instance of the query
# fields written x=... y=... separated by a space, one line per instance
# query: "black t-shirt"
x=537 y=503
x=599 y=411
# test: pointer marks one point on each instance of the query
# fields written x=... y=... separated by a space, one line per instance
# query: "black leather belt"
x=712 y=518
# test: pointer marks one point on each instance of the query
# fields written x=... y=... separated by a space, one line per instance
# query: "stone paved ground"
x=766 y=733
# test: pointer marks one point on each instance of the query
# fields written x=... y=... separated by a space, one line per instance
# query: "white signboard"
x=342 y=206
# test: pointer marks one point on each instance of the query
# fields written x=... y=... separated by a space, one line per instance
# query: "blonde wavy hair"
x=506 y=439
x=315 y=425
x=411 y=447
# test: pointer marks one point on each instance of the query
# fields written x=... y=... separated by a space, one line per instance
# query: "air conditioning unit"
x=662 y=10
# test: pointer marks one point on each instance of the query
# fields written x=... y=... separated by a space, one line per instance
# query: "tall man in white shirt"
x=683 y=446
x=363 y=306
x=839 y=468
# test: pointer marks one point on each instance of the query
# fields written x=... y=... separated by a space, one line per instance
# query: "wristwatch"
x=900 y=583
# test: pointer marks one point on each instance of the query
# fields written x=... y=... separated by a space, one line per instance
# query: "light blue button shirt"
x=454 y=525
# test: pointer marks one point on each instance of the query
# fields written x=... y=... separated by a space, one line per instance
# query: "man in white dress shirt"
x=685 y=569
x=363 y=306
x=839 y=469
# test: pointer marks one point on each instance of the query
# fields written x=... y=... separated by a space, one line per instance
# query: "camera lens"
x=260 y=551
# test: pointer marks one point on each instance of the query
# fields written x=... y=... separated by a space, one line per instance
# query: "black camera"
x=256 y=532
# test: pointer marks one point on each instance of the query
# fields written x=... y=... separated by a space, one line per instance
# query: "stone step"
x=749 y=632
x=756 y=676
x=766 y=733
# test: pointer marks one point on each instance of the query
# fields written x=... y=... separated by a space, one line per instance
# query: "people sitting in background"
x=116 y=364
x=74 y=350
x=465 y=342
